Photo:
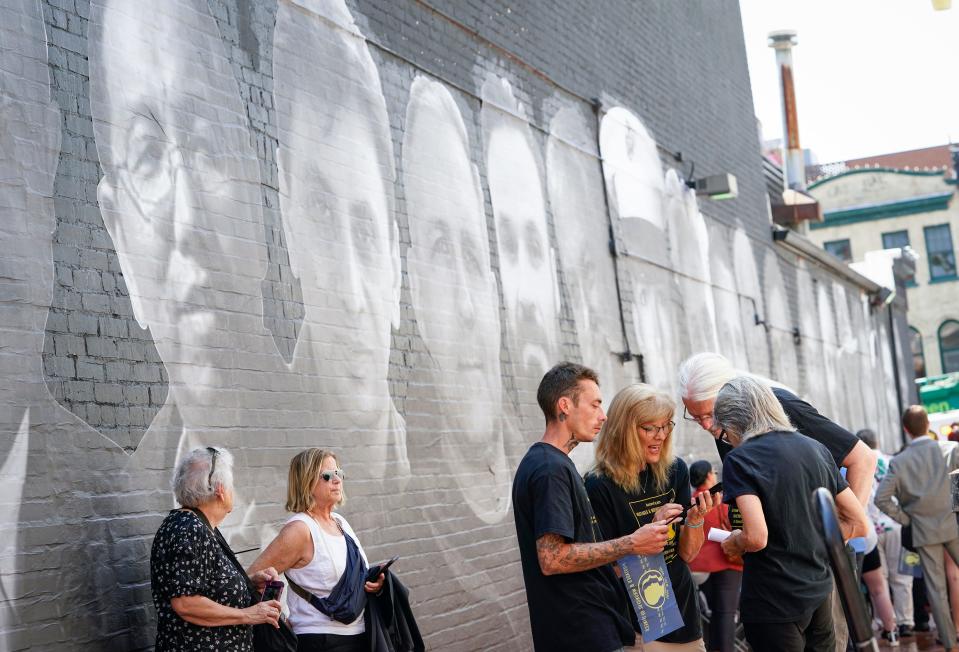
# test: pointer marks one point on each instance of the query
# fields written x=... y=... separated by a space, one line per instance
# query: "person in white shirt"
x=312 y=550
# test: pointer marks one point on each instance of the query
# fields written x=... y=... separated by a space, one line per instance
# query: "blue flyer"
x=650 y=591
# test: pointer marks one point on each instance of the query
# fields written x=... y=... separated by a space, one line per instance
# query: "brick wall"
x=220 y=235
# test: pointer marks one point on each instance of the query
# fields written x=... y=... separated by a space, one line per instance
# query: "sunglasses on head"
x=213 y=453
x=335 y=473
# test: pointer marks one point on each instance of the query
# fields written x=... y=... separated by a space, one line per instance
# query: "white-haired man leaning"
x=700 y=379
x=704 y=374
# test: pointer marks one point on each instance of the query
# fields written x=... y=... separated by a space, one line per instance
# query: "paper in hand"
x=718 y=535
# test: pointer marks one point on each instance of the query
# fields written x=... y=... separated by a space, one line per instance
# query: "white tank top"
x=319 y=577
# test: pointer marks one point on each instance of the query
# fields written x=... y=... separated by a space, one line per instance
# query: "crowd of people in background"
x=766 y=575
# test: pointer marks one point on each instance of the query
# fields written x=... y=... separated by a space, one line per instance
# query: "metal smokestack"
x=795 y=173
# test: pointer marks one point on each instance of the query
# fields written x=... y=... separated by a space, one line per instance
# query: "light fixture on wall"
x=941 y=5
x=715 y=186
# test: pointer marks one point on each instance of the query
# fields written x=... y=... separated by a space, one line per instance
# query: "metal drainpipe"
x=895 y=368
x=627 y=354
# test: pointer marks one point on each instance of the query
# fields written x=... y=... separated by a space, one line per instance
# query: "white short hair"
x=702 y=375
x=193 y=484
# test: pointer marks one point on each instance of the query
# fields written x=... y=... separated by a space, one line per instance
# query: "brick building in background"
x=369 y=226
x=898 y=200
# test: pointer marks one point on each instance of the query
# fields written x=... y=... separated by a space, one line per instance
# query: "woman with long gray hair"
x=201 y=594
x=770 y=476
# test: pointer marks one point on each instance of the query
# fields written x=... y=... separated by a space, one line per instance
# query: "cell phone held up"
x=715 y=489
x=376 y=569
x=272 y=590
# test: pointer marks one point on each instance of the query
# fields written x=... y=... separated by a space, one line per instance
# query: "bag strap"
x=300 y=591
x=314 y=601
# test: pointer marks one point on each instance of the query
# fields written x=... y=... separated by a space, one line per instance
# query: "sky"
x=872 y=76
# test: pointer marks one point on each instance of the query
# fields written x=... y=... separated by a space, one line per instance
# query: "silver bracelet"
x=693 y=527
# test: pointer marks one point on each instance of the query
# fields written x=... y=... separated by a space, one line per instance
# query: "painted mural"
x=448 y=253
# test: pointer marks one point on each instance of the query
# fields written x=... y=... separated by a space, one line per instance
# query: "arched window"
x=918 y=357
x=949 y=345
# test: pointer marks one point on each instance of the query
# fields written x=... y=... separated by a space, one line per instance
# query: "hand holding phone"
x=715 y=489
x=376 y=569
x=272 y=590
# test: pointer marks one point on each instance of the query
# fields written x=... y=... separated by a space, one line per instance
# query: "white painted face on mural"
x=29 y=145
x=785 y=365
x=454 y=296
x=582 y=236
x=527 y=264
x=750 y=303
x=180 y=194
x=633 y=169
x=453 y=288
x=689 y=255
x=336 y=192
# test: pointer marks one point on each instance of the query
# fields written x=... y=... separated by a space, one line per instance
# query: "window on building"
x=918 y=357
x=942 y=257
x=895 y=240
x=898 y=240
x=949 y=345
x=840 y=249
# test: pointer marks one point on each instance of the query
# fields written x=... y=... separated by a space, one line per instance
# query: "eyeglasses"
x=701 y=420
x=213 y=453
x=723 y=438
x=335 y=473
x=655 y=430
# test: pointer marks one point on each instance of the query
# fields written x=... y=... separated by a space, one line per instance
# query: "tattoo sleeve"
x=557 y=557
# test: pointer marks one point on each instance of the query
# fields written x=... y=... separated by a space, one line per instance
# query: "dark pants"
x=722 y=594
x=330 y=643
x=814 y=633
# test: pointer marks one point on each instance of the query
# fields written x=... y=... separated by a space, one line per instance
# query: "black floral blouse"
x=187 y=560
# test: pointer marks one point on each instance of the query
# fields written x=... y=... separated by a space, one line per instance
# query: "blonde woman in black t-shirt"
x=637 y=481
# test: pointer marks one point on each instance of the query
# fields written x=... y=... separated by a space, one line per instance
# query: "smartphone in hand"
x=272 y=591
x=376 y=569
x=716 y=488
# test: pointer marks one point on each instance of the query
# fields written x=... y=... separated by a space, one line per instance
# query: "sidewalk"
x=921 y=642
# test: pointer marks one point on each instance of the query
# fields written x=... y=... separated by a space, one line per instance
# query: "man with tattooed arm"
x=575 y=603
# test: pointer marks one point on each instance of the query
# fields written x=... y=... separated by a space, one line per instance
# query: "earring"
x=562 y=416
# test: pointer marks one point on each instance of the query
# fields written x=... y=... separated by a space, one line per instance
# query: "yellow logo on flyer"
x=671 y=533
x=652 y=587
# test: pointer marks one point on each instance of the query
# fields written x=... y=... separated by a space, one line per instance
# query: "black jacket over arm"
x=389 y=619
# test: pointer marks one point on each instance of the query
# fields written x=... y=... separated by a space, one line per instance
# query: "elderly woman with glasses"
x=202 y=595
x=313 y=549
x=770 y=475
x=636 y=480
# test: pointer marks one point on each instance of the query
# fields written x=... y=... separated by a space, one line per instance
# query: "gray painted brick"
x=108 y=393
x=82 y=324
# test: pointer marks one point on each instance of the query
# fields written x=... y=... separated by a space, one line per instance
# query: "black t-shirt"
x=789 y=577
x=807 y=420
x=575 y=612
x=620 y=512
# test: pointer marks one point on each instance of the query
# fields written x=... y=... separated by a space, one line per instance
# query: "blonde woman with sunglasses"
x=313 y=549
x=636 y=480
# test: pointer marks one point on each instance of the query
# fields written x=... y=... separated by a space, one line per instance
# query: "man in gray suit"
x=917 y=491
